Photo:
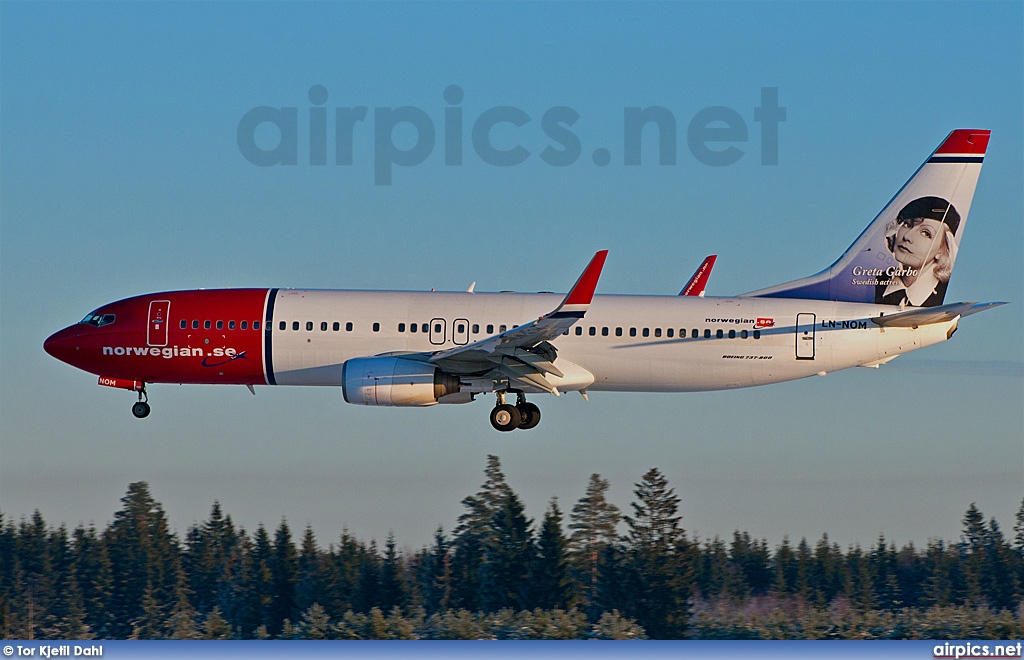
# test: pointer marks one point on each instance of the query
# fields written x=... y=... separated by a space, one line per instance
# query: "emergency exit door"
x=805 y=336
x=156 y=331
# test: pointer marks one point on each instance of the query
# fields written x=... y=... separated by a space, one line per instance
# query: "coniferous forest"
x=593 y=572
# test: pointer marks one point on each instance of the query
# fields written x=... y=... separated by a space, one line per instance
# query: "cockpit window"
x=99 y=320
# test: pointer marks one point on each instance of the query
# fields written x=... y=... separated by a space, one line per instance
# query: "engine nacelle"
x=394 y=381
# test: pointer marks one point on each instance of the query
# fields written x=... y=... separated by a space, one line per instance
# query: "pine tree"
x=657 y=546
x=784 y=564
x=551 y=581
x=594 y=526
x=473 y=536
x=149 y=624
x=433 y=574
x=393 y=590
x=509 y=556
x=1018 y=529
x=344 y=582
x=35 y=565
x=284 y=570
x=368 y=588
x=144 y=559
x=310 y=587
x=972 y=547
x=216 y=626
x=208 y=549
x=181 y=624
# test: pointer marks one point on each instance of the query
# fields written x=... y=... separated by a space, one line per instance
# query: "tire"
x=140 y=409
x=505 y=418
x=530 y=415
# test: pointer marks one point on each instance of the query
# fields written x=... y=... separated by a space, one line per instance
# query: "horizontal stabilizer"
x=930 y=315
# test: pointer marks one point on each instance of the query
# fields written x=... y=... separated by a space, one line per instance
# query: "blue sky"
x=120 y=173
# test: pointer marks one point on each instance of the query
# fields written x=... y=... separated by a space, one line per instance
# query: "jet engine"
x=394 y=381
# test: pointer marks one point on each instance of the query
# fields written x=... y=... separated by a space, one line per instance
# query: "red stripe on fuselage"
x=196 y=353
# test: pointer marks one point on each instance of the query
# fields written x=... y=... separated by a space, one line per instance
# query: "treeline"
x=498 y=574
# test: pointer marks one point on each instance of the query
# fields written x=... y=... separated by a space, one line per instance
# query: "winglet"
x=697 y=283
x=579 y=297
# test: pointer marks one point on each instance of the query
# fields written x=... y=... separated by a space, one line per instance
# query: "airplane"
x=883 y=297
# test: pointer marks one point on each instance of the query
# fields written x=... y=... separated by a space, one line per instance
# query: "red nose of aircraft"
x=63 y=344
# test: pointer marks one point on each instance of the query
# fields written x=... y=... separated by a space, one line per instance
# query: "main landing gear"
x=506 y=417
x=141 y=408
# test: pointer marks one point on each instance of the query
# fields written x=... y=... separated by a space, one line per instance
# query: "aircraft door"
x=437 y=331
x=460 y=332
x=156 y=329
x=805 y=336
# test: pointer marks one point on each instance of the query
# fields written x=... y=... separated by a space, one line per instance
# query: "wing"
x=524 y=354
x=697 y=283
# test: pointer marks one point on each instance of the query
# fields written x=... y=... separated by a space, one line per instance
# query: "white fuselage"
x=628 y=343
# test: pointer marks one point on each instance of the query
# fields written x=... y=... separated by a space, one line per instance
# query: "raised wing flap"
x=930 y=315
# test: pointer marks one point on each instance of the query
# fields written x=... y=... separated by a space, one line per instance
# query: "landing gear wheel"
x=505 y=417
x=530 y=414
x=140 y=409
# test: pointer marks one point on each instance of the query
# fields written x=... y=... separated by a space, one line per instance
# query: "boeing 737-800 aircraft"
x=883 y=297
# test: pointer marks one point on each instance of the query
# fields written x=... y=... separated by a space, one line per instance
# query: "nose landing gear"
x=141 y=408
x=506 y=417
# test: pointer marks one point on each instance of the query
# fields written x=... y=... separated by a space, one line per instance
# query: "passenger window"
x=604 y=332
x=255 y=325
x=694 y=333
x=657 y=332
x=719 y=334
x=295 y=325
x=707 y=334
x=336 y=326
x=309 y=325
x=425 y=327
x=231 y=325
x=376 y=327
x=401 y=327
x=618 y=332
x=743 y=334
x=579 y=330
x=437 y=327
x=206 y=325
x=503 y=328
x=220 y=325
x=647 y=332
x=461 y=328
x=283 y=325
x=632 y=332
x=593 y=331
x=732 y=334
x=476 y=328
x=323 y=326
x=195 y=324
x=413 y=327
x=757 y=334
x=669 y=332
x=245 y=325
x=184 y=324
x=348 y=326
x=490 y=329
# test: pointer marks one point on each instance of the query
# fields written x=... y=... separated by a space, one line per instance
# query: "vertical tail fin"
x=906 y=255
